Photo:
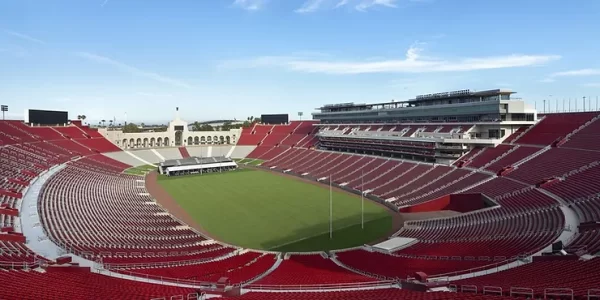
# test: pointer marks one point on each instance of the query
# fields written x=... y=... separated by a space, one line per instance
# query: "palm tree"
x=111 y=123
x=103 y=121
x=83 y=117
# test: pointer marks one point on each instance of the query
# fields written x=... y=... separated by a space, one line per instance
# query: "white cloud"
x=592 y=84
x=413 y=62
x=104 y=3
x=342 y=3
x=251 y=5
x=580 y=72
x=366 y=4
x=571 y=73
x=133 y=70
x=310 y=6
x=24 y=37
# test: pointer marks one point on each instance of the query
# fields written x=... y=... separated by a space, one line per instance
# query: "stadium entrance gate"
x=178 y=138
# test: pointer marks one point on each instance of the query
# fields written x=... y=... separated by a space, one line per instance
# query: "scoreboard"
x=274 y=119
x=46 y=117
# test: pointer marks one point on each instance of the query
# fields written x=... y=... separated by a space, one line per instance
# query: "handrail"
x=521 y=291
x=494 y=290
x=326 y=286
x=560 y=292
x=19 y=264
x=166 y=279
x=481 y=268
x=167 y=263
x=593 y=293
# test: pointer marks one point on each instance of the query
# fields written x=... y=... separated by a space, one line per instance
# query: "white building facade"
x=177 y=134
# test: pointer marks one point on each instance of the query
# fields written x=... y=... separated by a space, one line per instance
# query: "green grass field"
x=139 y=170
x=263 y=210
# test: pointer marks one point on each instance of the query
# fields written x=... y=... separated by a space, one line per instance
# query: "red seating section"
x=83 y=198
x=237 y=269
x=554 y=127
x=376 y=294
x=73 y=283
x=586 y=138
x=580 y=276
x=294 y=134
x=401 y=267
x=554 y=162
x=310 y=270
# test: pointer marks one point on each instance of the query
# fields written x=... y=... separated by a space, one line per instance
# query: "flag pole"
x=362 y=200
x=330 y=208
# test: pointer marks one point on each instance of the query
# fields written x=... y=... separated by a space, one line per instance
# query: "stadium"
x=453 y=195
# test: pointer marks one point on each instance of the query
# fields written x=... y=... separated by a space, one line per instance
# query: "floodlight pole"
x=330 y=207
x=362 y=199
x=4 y=109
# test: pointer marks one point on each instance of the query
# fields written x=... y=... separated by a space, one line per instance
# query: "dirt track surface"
x=168 y=203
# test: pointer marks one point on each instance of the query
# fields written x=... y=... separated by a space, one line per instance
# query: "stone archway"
x=152 y=142
x=166 y=140
x=190 y=141
x=228 y=139
x=196 y=140
x=159 y=142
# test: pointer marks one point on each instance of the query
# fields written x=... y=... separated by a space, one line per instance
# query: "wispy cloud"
x=104 y=3
x=130 y=69
x=413 y=62
x=571 y=73
x=313 y=5
x=592 y=84
x=366 y=4
x=580 y=72
x=310 y=6
x=251 y=5
x=24 y=37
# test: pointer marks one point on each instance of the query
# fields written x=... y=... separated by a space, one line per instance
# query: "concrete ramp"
x=241 y=151
x=124 y=157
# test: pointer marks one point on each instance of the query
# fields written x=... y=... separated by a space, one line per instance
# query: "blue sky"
x=235 y=58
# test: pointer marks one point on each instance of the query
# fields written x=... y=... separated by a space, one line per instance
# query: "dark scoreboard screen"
x=48 y=117
x=274 y=119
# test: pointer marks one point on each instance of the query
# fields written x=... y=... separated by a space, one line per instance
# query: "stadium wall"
x=456 y=202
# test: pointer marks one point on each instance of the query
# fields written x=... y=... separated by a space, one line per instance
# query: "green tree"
x=226 y=126
x=131 y=128
x=206 y=127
